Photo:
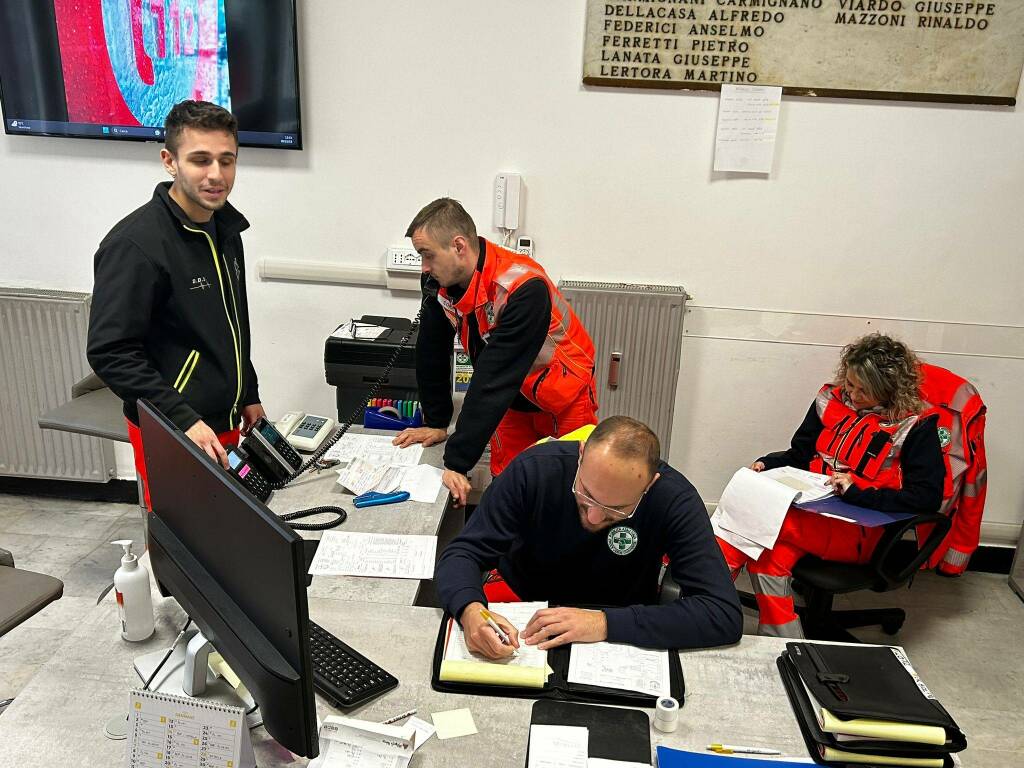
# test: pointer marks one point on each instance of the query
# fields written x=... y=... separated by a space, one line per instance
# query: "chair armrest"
x=6 y=558
x=895 y=570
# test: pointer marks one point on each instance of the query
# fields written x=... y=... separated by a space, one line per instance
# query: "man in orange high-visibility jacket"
x=533 y=361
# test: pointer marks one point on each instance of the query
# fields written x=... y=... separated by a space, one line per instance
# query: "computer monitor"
x=239 y=573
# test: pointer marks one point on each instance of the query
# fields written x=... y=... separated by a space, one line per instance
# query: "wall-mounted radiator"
x=42 y=354
x=638 y=333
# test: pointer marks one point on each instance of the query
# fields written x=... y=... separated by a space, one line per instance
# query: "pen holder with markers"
x=392 y=414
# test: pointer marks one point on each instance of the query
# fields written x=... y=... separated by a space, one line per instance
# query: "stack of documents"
x=372 y=463
x=750 y=513
x=346 y=742
x=867 y=704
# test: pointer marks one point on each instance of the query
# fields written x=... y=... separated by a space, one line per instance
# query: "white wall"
x=878 y=209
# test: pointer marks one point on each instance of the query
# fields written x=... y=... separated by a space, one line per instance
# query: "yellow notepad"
x=888 y=730
x=527 y=670
x=884 y=729
x=840 y=755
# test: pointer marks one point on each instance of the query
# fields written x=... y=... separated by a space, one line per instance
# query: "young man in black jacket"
x=169 y=320
x=588 y=524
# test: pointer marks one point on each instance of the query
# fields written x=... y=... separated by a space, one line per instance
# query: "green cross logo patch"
x=622 y=540
x=944 y=436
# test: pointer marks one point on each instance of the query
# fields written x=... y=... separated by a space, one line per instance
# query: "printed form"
x=380 y=555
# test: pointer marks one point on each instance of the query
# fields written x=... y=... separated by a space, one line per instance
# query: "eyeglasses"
x=617 y=513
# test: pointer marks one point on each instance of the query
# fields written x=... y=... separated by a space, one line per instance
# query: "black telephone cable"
x=342 y=515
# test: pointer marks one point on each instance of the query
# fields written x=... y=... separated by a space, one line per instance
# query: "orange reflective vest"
x=564 y=368
x=865 y=445
x=961 y=427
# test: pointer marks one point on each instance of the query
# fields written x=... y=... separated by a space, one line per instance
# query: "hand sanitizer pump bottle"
x=134 y=599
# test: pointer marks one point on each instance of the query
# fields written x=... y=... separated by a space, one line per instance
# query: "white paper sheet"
x=519 y=615
x=750 y=548
x=423 y=482
x=558 y=746
x=374 y=449
x=356 y=330
x=381 y=555
x=754 y=507
x=350 y=743
x=748 y=119
x=626 y=667
x=424 y=730
x=810 y=486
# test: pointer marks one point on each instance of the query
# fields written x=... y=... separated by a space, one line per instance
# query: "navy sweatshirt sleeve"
x=707 y=612
x=125 y=295
x=499 y=371
x=923 y=474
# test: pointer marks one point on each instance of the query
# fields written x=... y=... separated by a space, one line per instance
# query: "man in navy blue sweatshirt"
x=588 y=524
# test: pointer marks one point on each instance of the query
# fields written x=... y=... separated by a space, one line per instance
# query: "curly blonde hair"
x=887 y=369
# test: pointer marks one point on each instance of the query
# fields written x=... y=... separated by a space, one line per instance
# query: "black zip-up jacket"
x=169 y=319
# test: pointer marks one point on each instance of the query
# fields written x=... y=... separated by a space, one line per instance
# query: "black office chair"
x=893 y=564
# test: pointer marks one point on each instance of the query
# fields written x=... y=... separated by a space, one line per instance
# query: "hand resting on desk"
x=426 y=435
x=481 y=639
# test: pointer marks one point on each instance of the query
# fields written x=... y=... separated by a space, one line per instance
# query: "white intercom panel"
x=506 y=200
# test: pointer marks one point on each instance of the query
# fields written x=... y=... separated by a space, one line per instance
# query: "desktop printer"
x=355 y=356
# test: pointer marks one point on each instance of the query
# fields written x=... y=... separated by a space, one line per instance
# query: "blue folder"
x=869 y=518
x=678 y=758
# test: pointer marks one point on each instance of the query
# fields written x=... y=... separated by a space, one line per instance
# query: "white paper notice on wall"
x=748 y=119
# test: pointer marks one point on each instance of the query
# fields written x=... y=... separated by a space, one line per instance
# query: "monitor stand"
x=189 y=657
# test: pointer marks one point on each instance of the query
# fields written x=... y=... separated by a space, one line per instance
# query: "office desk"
x=408 y=517
x=732 y=694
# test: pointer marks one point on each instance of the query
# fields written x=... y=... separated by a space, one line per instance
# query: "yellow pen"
x=729 y=749
x=494 y=625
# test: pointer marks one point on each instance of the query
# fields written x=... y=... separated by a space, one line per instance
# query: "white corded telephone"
x=304 y=431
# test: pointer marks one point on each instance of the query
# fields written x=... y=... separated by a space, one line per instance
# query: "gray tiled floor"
x=69 y=540
x=963 y=635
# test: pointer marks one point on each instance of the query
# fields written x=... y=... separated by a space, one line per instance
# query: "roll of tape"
x=388 y=410
x=665 y=727
x=666 y=709
x=666 y=714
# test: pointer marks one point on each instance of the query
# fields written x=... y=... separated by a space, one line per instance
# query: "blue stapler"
x=373 y=498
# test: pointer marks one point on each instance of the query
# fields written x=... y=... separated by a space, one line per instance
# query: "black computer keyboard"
x=343 y=675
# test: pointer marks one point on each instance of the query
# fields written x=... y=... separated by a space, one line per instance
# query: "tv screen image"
x=112 y=69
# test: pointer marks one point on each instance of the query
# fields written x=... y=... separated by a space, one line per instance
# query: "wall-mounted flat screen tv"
x=112 y=69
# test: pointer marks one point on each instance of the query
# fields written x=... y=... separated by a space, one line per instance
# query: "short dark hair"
x=444 y=219
x=628 y=439
x=201 y=115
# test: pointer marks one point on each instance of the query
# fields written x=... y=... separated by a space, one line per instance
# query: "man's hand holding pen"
x=482 y=638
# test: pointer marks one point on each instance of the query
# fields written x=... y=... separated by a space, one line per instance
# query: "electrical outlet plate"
x=403 y=259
